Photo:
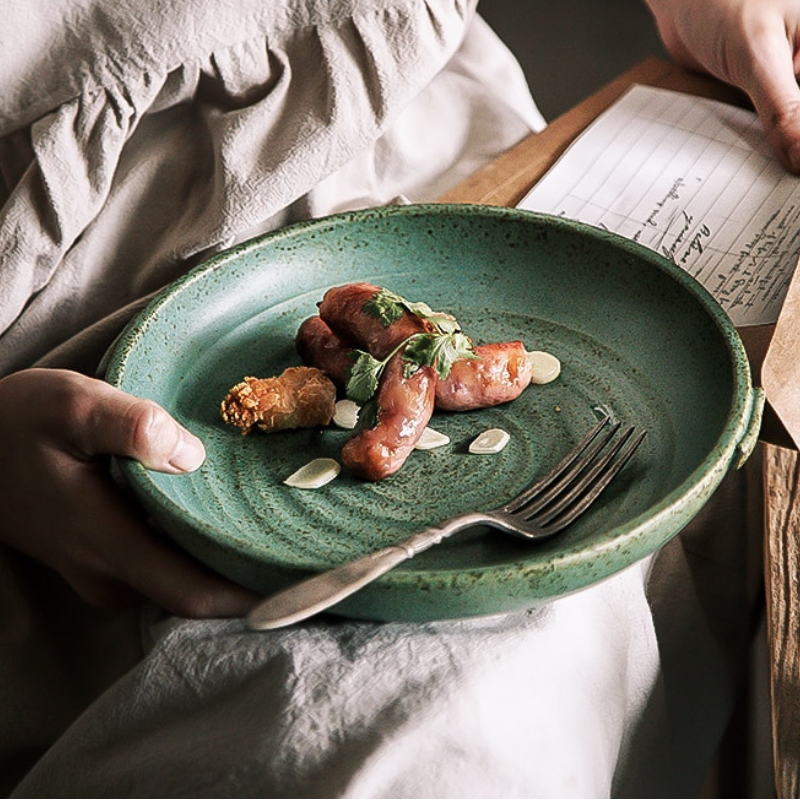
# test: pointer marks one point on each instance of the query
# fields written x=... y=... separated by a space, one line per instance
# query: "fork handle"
x=316 y=594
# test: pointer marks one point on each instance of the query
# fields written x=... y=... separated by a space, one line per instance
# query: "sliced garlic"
x=546 y=367
x=314 y=474
x=346 y=414
x=490 y=441
x=431 y=439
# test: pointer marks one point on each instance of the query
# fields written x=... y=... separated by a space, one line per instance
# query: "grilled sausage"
x=320 y=347
x=343 y=309
x=405 y=406
x=500 y=373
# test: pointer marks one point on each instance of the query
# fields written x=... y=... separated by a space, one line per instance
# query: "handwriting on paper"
x=694 y=180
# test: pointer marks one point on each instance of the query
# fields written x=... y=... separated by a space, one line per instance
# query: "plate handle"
x=750 y=436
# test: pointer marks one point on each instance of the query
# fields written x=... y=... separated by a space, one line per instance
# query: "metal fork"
x=539 y=512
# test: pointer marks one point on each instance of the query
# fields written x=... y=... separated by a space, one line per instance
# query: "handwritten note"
x=694 y=180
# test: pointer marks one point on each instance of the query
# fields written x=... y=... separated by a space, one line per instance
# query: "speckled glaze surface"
x=635 y=335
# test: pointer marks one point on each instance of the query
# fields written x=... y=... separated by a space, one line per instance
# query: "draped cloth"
x=136 y=139
x=136 y=142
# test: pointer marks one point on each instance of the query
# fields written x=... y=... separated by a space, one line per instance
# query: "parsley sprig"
x=440 y=348
x=388 y=307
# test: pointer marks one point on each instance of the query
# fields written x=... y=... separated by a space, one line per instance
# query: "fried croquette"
x=300 y=397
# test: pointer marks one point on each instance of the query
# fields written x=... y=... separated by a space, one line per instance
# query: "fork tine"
x=587 y=490
x=582 y=477
x=551 y=484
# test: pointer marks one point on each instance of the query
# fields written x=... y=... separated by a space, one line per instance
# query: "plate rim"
x=706 y=474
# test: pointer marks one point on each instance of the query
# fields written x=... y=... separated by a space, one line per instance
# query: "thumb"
x=110 y=421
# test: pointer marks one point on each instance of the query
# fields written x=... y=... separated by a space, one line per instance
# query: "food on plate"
x=300 y=397
x=394 y=381
x=404 y=406
x=372 y=318
x=499 y=373
x=431 y=439
x=346 y=414
x=318 y=346
x=315 y=474
x=395 y=361
x=490 y=441
x=546 y=367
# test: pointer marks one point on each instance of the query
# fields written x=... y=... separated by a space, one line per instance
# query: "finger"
x=772 y=86
x=124 y=546
x=104 y=420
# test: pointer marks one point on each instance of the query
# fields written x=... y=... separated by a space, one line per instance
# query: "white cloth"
x=135 y=139
x=623 y=689
x=492 y=708
x=157 y=147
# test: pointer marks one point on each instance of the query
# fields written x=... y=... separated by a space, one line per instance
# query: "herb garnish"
x=440 y=348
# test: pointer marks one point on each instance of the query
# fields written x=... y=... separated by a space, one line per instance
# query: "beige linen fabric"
x=135 y=144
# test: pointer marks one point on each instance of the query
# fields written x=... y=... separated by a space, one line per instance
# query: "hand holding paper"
x=752 y=44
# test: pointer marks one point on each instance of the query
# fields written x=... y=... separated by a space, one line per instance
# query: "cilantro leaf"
x=449 y=349
x=422 y=310
x=368 y=416
x=438 y=350
x=444 y=323
x=386 y=306
x=364 y=376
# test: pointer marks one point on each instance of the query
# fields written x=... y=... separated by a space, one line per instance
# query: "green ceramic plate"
x=635 y=335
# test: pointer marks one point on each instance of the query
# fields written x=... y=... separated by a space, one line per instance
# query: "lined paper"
x=693 y=179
